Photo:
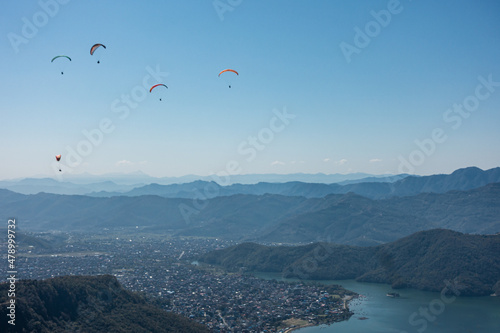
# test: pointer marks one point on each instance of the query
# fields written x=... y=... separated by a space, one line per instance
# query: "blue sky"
x=324 y=86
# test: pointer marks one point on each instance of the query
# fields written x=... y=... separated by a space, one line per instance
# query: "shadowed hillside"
x=425 y=260
x=86 y=304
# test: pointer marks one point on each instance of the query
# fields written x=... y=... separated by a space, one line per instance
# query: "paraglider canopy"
x=228 y=70
x=157 y=85
x=58 y=158
x=61 y=56
x=95 y=47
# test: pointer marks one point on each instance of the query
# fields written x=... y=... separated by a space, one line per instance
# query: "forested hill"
x=424 y=260
x=86 y=304
x=345 y=219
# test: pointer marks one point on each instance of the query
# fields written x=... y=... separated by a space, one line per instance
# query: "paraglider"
x=60 y=56
x=157 y=85
x=95 y=47
x=58 y=158
x=228 y=70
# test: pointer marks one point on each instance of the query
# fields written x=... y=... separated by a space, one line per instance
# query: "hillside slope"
x=347 y=219
x=427 y=260
x=86 y=304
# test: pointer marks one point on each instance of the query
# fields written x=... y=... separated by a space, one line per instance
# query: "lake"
x=413 y=312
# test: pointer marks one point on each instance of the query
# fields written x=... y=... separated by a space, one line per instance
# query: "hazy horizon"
x=142 y=173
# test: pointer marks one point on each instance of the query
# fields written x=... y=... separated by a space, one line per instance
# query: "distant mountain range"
x=117 y=184
x=436 y=260
x=86 y=304
x=49 y=185
x=341 y=218
x=374 y=188
x=379 y=187
x=139 y=177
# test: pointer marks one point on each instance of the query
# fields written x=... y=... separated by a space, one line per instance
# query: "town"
x=166 y=268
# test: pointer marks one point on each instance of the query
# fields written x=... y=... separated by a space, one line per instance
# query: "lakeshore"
x=414 y=310
x=295 y=324
x=299 y=324
x=374 y=312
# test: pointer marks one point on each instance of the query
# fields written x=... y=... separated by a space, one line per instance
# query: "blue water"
x=414 y=312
